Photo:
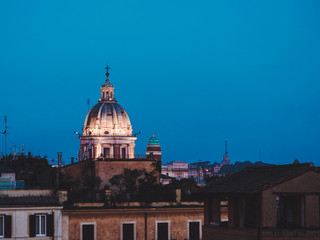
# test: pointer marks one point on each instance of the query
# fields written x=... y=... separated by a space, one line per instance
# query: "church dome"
x=107 y=117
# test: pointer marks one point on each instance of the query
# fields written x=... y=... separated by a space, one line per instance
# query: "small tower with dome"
x=153 y=149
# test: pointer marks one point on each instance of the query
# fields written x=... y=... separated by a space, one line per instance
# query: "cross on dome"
x=107 y=68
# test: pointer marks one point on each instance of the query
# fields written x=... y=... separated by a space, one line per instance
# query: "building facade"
x=31 y=214
x=178 y=220
x=176 y=169
x=264 y=203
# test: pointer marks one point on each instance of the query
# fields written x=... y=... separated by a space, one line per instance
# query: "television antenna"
x=5 y=138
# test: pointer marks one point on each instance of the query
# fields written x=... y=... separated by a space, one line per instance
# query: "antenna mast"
x=5 y=138
x=226 y=146
x=88 y=102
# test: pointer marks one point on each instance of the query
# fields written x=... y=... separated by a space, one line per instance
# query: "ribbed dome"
x=107 y=118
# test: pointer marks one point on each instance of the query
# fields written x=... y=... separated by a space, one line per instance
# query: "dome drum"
x=108 y=147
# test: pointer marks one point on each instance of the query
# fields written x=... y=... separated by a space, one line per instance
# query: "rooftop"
x=4 y=169
x=256 y=179
x=29 y=201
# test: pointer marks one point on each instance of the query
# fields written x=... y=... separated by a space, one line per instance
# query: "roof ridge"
x=310 y=164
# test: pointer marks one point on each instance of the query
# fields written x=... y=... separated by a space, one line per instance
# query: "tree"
x=127 y=183
x=135 y=183
x=212 y=179
x=34 y=170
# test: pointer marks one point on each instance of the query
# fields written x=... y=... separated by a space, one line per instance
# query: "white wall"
x=20 y=220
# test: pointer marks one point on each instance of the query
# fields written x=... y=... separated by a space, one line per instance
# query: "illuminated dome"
x=107 y=119
x=107 y=130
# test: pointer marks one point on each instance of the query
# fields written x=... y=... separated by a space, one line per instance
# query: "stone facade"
x=108 y=222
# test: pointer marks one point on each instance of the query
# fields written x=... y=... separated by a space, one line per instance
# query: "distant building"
x=177 y=169
x=217 y=169
x=200 y=170
x=225 y=160
x=264 y=203
x=8 y=179
x=164 y=179
x=195 y=171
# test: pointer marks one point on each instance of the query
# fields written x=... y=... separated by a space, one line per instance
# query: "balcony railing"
x=121 y=157
x=11 y=185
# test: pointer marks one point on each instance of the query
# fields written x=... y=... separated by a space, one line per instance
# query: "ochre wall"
x=105 y=169
x=77 y=170
x=108 y=222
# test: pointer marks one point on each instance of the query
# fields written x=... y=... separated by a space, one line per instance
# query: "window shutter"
x=7 y=226
x=32 y=225
x=50 y=225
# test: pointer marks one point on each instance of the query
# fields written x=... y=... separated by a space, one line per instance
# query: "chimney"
x=62 y=196
x=107 y=200
x=178 y=196
x=107 y=194
x=59 y=159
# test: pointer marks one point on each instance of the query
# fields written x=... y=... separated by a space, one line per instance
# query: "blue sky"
x=192 y=72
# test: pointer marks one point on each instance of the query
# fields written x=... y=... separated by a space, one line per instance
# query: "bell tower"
x=153 y=149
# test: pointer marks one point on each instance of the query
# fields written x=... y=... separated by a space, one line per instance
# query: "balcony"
x=114 y=157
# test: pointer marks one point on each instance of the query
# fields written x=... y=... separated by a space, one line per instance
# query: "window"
x=5 y=226
x=88 y=231
x=290 y=211
x=106 y=152
x=162 y=230
x=123 y=153
x=2 y=226
x=218 y=212
x=224 y=215
x=128 y=231
x=194 y=230
x=41 y=225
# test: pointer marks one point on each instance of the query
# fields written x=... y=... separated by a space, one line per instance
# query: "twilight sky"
x=193 y=72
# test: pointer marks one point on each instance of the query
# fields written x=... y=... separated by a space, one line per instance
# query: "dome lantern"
x=107 y=89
